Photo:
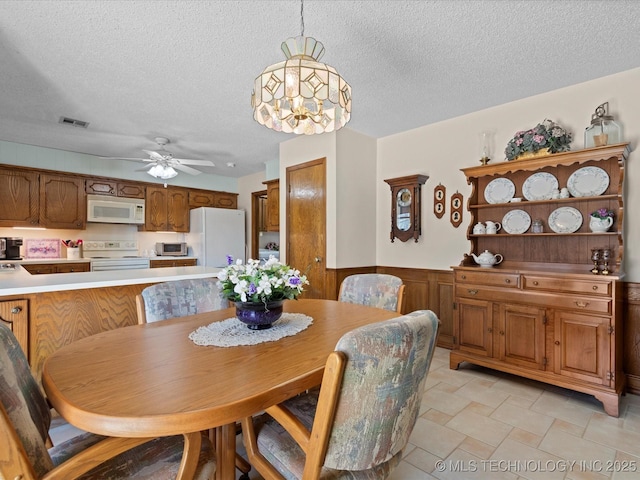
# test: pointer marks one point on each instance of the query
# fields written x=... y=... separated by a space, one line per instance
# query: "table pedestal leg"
x=226 y=452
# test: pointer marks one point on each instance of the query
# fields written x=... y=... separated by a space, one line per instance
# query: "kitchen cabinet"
x=206 y=198
x=19 y=198
x=44 y=268
x=115 y=188
x=541 y=313
x=15 y=315
x=63 y=202
x=167 y=209
x=174 y=262
x=272 y=217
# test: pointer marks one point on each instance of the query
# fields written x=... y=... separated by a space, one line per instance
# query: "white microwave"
x=104 y=209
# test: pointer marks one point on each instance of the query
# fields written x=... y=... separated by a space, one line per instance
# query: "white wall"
x=440 y=150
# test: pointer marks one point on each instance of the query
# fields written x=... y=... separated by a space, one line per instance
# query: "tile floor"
x=477 y=423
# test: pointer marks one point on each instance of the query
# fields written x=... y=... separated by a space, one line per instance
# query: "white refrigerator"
x=216 y=233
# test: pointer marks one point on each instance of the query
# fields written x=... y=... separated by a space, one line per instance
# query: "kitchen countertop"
x=84 y=260
x=21 y=282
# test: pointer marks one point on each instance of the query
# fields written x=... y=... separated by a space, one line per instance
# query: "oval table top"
x=152 y=380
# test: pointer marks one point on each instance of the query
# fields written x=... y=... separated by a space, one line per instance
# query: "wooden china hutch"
x=541 y=313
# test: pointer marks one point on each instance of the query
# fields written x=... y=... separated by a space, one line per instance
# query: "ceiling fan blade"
x=186 y=169
x=154 y=155
x=123 y=158
x=185 y=161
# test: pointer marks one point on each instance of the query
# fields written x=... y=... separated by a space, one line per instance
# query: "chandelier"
x=162 y=171
x=301 y=95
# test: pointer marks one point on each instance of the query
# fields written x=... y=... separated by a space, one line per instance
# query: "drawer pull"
x=464 y=277
x=535 y=282
x=557 y=342
x=595 y=287
x=16 y=309
x=506 y=280
x=582 y=304
x=502 y=333
x=472 y=291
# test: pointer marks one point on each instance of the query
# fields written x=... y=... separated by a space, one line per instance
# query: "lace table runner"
x=232 y=332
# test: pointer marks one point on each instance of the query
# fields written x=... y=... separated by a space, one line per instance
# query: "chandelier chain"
x=302 y=18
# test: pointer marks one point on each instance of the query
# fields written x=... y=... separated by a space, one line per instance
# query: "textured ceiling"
x=139 y=69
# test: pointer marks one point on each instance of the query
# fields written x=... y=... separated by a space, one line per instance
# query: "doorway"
x=306 y=223
x=258 y=209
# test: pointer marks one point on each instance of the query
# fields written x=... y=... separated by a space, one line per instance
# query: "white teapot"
x=479 y=229
x=493 y=227
x=487 y=259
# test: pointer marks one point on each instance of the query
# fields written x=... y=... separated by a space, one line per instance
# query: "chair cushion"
x=287 y=457
x=181 y=298
x=371 y=289
x=157 y=459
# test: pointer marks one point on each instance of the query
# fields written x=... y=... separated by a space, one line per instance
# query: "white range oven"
x=113 y=255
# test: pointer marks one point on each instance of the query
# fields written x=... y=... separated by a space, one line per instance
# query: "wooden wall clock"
x=439 y=199
x=405 y=206
x=456 y=209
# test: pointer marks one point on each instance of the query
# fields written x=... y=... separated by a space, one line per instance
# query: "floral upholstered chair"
x=373 y=289
x=361 y=420
x=179 y=298
x=25 y=418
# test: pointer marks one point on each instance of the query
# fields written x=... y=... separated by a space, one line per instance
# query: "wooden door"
x=306 y=223
x=258 y=214
x=521 y=335
x=473 y=327
x=273 y=206
x=582 y=347
x=62 y=202
x=19 y=198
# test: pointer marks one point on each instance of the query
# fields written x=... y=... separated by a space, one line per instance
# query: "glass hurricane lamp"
x=603 y=129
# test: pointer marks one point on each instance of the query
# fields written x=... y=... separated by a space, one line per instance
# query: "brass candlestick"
x=595 y=258
x=606 y=254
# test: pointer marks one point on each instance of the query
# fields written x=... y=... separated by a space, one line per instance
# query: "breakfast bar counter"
x=18 y=281
x=49 y=311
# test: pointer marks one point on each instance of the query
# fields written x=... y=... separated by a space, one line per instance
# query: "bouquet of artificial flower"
x=260 y=282
x=602 y=213
x=546 y=135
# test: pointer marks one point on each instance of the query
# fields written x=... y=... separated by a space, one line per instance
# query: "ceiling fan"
x=164 y=165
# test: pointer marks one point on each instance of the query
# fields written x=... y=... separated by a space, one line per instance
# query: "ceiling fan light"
x=162 y=171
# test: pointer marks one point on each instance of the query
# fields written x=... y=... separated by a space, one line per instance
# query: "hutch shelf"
x=541 y=313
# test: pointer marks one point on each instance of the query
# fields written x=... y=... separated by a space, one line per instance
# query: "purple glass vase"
x=258 y=315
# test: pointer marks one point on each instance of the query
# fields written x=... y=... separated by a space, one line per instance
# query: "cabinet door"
x=473 y=328
x=130 y=190
x=178 y=209
x=19 y=198
x=101 y=187
x=582 y=347
x=15 y=315
x=62 y=202
x=156 y=210
x=201 y=198
x=39 y=268
x=521 y=335
x=73 y=267
x=225 y=200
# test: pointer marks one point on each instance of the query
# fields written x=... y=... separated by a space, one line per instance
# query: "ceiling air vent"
x=73 y=122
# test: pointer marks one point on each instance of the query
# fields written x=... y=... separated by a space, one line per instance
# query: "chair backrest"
x=180 y=298
x=378 y=290
x=382 y=386
x=24 y=405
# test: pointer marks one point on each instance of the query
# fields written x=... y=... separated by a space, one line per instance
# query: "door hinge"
x=455 y=340
x=610 y=375
x=455 y=306
x=544 y=361
x=544 y=319
x=611 y=329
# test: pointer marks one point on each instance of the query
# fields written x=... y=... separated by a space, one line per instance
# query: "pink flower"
x=538 y=138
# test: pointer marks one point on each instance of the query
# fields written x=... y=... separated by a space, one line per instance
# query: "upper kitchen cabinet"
x=62 y=202
x=206 y=198
x=167 y=209
x=272 y=221
x=19 y=198
x=102 y=186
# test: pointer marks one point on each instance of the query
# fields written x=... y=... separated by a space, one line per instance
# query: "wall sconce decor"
x=439 y=198
x=456 y=209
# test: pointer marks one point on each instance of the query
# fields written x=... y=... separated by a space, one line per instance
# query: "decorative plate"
x=588 y=182
x=500 y=190
x=42 y=248
x=516 y=221
x=565 y=220
x=539 y=186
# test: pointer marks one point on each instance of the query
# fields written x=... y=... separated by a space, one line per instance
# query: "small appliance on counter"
x=12 y=246
x=173 y=249
x=3 y=248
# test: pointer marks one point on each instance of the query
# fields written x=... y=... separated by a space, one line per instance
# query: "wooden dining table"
x=152 y=380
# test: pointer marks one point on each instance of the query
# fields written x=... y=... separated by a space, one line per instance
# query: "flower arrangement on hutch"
x=545 y=137
x=601 y=220
x=259 y=289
